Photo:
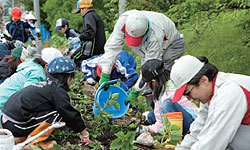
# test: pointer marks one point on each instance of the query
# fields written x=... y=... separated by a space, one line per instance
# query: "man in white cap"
x=151 y=35
x=223 y=120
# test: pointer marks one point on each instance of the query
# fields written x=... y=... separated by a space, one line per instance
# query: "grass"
x=220 y=39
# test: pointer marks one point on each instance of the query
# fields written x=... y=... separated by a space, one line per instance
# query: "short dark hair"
x=12 y=63
x=63 y=78
x=208 y=70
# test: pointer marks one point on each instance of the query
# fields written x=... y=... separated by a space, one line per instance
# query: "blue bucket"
x=102 y=97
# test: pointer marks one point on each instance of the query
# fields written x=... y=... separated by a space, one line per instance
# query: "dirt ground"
x=107 y=137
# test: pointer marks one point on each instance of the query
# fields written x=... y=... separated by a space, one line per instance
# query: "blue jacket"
x=20 y=31
x=4 y=50
x=45 y=34
x=27 y=73
x=125 y=68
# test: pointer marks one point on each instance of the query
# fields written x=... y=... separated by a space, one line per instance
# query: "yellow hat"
x=85 y=3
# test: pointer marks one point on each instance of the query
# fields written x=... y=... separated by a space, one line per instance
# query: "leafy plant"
x=169 y=134
x=123 y=141
x=112 y=100
x=96 y=145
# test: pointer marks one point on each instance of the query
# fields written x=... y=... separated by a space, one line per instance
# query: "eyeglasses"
x=187 y=93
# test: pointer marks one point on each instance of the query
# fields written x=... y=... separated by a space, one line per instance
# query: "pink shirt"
x=184 y=102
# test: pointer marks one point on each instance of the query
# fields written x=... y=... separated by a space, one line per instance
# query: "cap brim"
x=76 y=11
x=57 y=28
x=141 y=84
x=179 y=93
x=133 y=41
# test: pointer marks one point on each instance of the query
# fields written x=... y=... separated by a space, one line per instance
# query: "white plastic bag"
x=145 y=139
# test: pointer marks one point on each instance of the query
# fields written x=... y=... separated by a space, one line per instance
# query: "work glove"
x=132 y=96
x=7 y=35
x=66 y=52
x=33 y=42
x=104 y=77
x=91 y=81
x=75 y=40
x=142 y=130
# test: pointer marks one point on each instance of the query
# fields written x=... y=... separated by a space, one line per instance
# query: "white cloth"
x=161 y=27
x=217 y=123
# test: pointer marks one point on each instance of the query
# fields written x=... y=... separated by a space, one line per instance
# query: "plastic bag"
x=145 y=139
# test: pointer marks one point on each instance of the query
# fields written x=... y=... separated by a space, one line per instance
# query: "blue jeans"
x=167 y=107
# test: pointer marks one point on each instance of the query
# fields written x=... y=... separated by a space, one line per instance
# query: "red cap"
x=133 y=41
x=16 y=13
x=178 y=93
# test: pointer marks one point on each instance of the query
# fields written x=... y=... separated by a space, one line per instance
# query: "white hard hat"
x=30 y=17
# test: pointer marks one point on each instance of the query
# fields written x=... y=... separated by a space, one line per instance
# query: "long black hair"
x=208 y=70
x=160 y=84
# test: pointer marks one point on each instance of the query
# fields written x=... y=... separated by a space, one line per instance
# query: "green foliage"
x=58 y=41
x=112 y=100
x=95 y=145
x=108 y=10
x=150 y=5
x=220 y=39
x=238 y=4
x=62 y=9
x=169 y=134
x=181 y=13
x=123 y=141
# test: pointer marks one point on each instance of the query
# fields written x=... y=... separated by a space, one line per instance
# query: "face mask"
x=32 y=25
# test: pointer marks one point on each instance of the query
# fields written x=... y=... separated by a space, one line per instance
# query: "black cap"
x=152 y=69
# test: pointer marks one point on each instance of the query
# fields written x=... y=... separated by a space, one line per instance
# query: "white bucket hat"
x=183 y=70
x=48 y=54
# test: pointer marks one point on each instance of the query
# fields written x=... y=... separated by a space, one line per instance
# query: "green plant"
x=123 y=141
x=169 y=134
x=112 y=100
x=96 y=145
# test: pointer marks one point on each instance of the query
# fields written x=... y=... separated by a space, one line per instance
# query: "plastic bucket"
x=102 y=96
x=176 y=118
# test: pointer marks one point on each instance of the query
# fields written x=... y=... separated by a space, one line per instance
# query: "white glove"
x=66 y=52
x=75 y=40
x=5 y=32
x=33 y=42
x=142 y=130
x=91 y=81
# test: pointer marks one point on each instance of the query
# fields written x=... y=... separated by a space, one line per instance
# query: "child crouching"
x=44 y=103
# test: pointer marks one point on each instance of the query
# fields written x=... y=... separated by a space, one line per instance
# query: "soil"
x=107 y=137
